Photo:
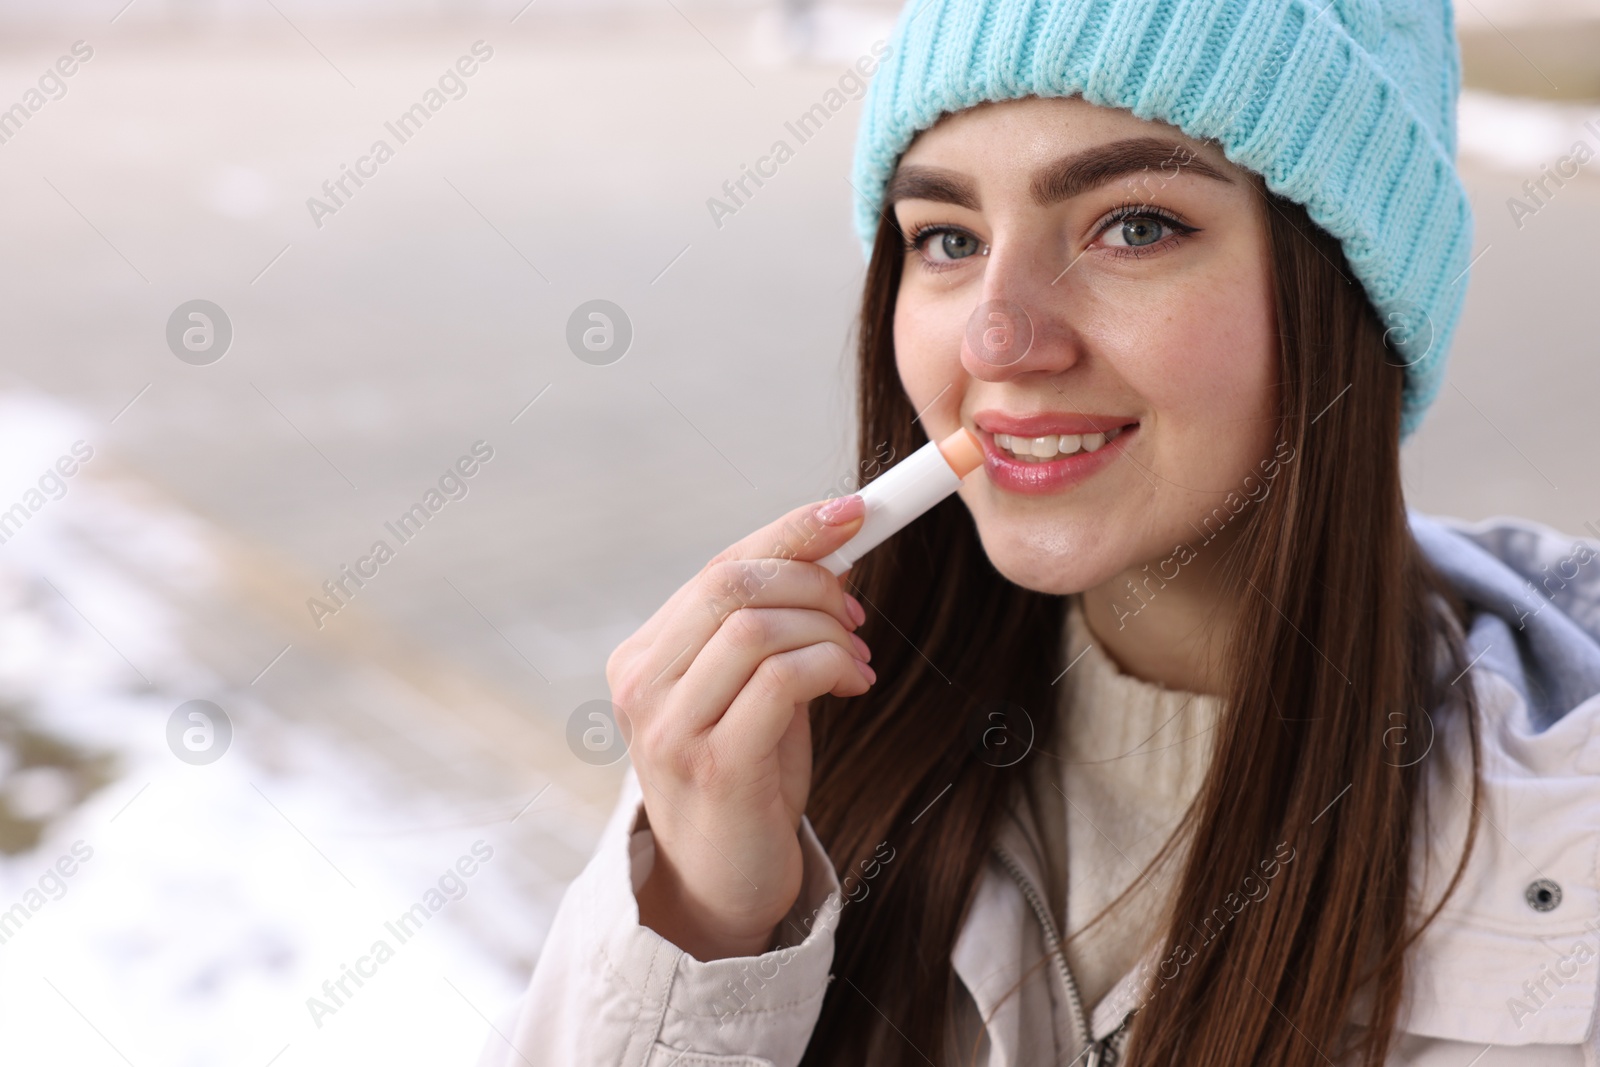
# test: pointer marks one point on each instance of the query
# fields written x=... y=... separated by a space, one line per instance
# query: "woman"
x=1181 y=741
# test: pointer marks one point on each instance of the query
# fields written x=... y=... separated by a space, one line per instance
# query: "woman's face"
x=1136 y=258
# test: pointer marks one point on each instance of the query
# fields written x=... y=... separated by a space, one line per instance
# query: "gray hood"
x=1535 y=595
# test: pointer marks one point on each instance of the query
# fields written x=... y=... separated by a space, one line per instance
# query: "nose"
x=1022 y=323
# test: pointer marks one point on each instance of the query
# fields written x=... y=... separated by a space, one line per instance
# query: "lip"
x=1053 y=475
x=992 y=421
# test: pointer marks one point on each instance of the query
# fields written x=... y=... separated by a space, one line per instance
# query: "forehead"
x=1013 y=136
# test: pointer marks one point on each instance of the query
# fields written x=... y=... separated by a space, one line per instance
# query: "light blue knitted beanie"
x=1344 y=106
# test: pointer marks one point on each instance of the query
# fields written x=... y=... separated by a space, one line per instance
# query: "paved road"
x=371 y=351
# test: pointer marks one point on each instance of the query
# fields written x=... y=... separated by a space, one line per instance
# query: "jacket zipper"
x=1105 y=1052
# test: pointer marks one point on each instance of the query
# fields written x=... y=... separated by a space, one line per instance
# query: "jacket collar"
x=1003 y=939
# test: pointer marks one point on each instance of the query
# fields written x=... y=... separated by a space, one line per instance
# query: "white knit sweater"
x=1133 y=756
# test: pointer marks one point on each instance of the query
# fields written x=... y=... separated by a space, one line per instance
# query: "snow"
x=207 y=903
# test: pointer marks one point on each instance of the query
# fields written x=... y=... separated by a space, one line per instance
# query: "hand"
x=717 y=687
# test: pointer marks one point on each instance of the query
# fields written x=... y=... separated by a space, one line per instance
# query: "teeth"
x=1047 y=448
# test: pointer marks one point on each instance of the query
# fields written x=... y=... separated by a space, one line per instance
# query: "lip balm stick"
x=907 y=490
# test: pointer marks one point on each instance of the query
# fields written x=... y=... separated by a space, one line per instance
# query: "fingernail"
x=862 y=651
x=842 y=509
x=872 y=675
x=853 y=606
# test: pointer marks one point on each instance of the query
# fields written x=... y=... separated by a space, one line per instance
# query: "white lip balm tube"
x=907 y=490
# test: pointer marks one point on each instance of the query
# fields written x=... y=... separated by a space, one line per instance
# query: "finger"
x=806 y=533
x=736 y=651
x=720 y=590
x=760 y=715
x=738 y=584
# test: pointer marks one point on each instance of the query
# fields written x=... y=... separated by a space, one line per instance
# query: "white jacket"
x=1502 y=976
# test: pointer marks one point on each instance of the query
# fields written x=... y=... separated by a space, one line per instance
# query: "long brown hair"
x=1342 y=646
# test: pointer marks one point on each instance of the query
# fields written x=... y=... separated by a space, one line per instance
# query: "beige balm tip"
x=962 y=451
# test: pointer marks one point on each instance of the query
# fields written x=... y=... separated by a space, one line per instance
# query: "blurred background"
x=178 y=880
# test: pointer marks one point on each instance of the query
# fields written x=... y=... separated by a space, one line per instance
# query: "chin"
x=1048 y=557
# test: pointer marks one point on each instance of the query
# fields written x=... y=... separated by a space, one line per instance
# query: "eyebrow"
x=1060 y=180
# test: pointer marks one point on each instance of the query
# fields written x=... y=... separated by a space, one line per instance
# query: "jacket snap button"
x=1543 y=895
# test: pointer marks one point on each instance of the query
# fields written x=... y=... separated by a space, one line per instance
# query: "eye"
x=1133 y=228
x=1138 y=230
x=941 y=246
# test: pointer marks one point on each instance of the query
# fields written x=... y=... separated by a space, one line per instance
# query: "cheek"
x=1208 y=355
x=927 y=354
x=1205 y=361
